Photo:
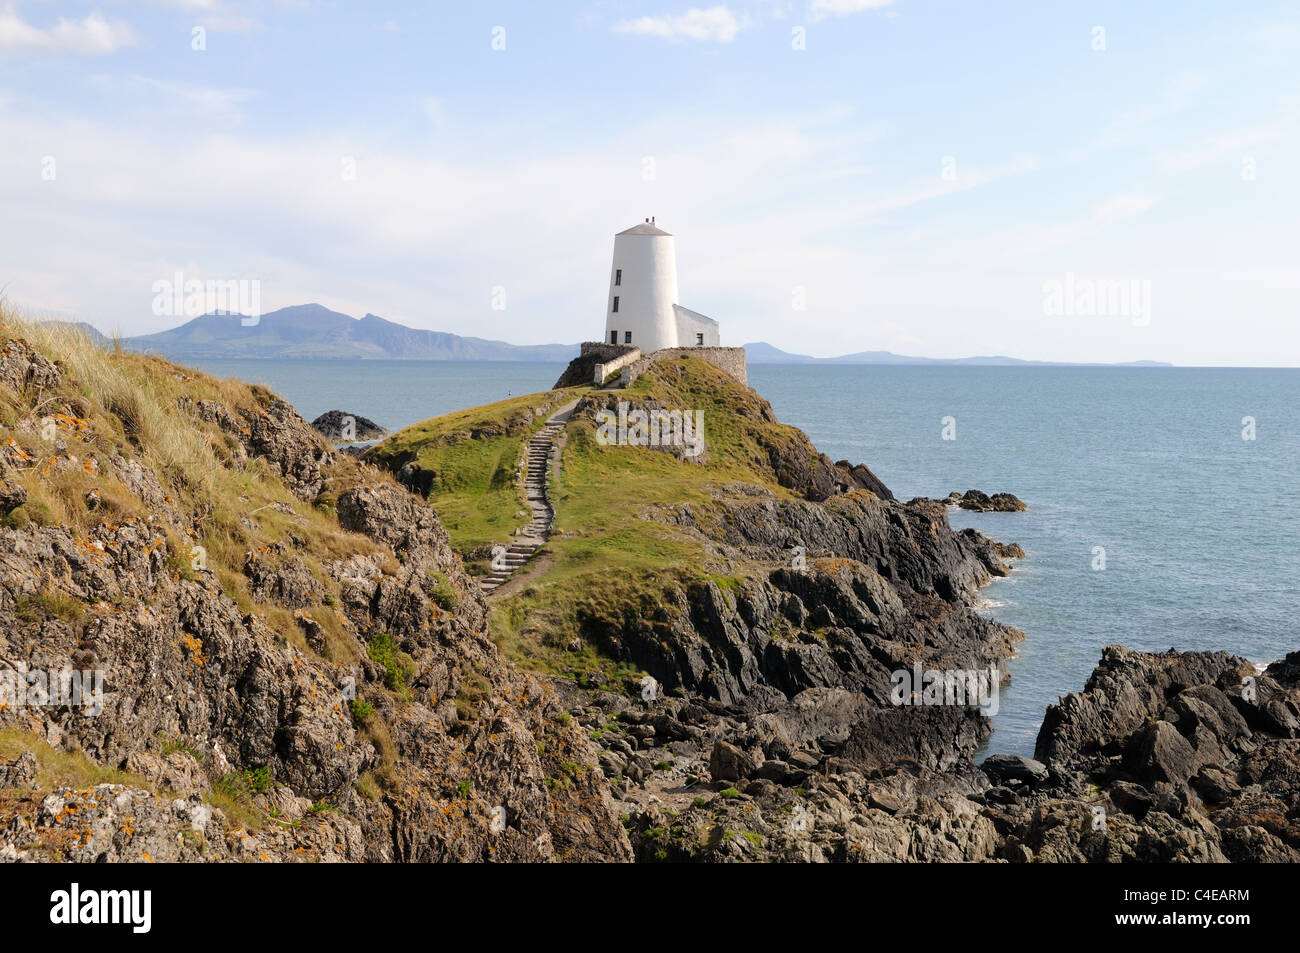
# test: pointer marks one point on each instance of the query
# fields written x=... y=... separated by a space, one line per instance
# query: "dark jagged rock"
x=1156 y=761
x=339 y=427
x=862 y=478
x=935 y=738
x=1014 y=769
x=981 y=502
x=729 y=763
x=1127 y=692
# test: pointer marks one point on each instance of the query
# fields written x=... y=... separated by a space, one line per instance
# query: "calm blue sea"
x=1149 y=464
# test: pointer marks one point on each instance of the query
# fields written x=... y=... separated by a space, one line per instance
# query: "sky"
x=943 y=179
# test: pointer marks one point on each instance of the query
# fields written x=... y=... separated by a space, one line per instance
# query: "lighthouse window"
x=627 y=337
x=618 y=277
x=616 y=304
x=699 y=339
x=613 y=337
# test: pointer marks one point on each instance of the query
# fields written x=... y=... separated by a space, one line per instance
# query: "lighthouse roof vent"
x=645 y=228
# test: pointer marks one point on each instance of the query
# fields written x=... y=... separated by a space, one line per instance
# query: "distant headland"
x=315 y=332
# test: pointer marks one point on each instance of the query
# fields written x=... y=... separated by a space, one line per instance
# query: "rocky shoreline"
x=335 y=694
x=1160 y=759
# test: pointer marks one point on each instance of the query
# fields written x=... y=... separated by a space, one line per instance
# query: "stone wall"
x=583 y=368
x=728 y=359
x=601 y=371
x=598 y=360
x=604 y=352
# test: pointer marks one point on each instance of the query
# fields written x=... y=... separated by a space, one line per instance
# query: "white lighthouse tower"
x=642 y=309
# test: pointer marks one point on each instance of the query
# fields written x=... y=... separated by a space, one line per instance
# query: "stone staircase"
x=524 y=546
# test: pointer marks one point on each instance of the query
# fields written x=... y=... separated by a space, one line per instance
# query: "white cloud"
x=91 y=36
x=1227 y=147
x=1023 y=244
x=716 y=25
x=190 y=5
x=214 y=15
x=211 y=99
x=821 y=9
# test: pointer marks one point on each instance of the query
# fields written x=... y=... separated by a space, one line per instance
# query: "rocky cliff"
x=294 y=664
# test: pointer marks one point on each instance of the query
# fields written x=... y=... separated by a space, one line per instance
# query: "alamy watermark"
x=1098 y=298
x=176 y=297
x=964 y=687
x=653 y=428
x=133 y=908
x=21 y=687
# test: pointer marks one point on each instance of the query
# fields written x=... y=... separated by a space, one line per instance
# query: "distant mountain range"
x=761 y=352
x=314 y=332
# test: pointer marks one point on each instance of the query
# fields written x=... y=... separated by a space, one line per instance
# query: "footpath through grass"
x=469 y=460
x=607 y=556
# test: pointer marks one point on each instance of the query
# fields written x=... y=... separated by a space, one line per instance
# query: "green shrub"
x=399 y=668
x=170 y=746
x=445 y=595
x=48 y=604
x=362 y=711
x=366 y=787
x=259 y=779
x=233 y=796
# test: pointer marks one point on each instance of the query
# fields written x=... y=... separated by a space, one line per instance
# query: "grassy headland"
x=607 y=556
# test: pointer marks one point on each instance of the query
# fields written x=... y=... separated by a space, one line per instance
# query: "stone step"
x=541 y=451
